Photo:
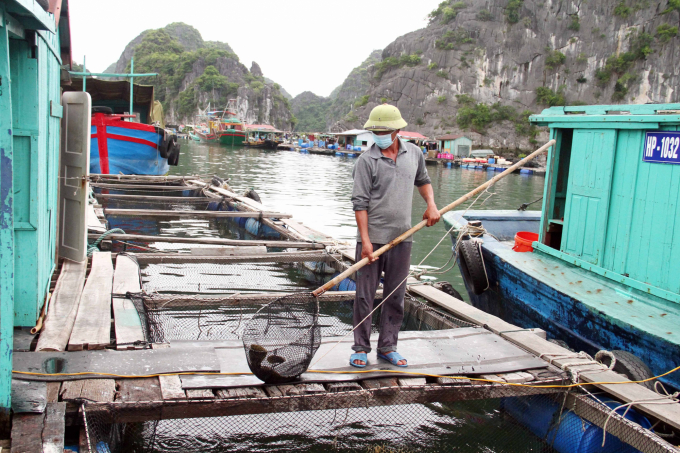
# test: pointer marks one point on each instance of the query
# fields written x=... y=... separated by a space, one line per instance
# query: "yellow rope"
x=409 y=373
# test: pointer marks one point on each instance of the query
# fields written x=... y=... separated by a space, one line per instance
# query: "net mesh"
x=184 y=317
x=375 y=416
x=281 y=339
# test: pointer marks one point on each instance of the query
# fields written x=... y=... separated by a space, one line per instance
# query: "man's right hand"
x=367 y=252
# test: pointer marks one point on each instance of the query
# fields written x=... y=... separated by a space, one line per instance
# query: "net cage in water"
x=471 y=417
x=281 y=339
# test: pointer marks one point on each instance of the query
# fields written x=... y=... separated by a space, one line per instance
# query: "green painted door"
x=588 y=192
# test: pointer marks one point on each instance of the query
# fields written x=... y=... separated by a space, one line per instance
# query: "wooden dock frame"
x=163 y=397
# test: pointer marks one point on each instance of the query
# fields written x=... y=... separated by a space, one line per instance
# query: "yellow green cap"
x=385 y=117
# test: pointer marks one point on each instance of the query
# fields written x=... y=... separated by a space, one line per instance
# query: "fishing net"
x=281 y=339
x=378 y=416
x=170 y=318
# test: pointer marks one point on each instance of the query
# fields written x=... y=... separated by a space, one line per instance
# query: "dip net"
x=281 y=339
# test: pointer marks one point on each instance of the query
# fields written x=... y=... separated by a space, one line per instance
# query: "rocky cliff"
x=193 y=74
x=480 y=67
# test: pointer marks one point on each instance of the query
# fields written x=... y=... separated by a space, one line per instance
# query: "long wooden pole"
x=422 y=224
x=197 y=213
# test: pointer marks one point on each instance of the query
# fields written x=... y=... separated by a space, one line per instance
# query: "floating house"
x=458 y=145
x=414 y=137
x=34 y=45
x=603 y=270
x=359 y=138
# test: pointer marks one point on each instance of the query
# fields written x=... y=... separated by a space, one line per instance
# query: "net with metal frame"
x=281 y=339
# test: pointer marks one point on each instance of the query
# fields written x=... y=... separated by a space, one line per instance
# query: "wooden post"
x=6 y=233
x=132 y=86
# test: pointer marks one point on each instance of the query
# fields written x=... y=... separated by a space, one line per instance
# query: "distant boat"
x=263 y=136
x=123 y=147
x=228 y=127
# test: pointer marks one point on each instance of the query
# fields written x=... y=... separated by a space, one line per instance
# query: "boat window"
x=553 y=237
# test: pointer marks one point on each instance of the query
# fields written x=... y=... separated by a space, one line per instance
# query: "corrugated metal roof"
x=412 y=135
x=352 y=132
x=450 y=137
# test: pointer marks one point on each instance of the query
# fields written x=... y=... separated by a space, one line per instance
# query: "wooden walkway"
x=89 y=312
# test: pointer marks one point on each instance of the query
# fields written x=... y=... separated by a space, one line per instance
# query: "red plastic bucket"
x=523 y=241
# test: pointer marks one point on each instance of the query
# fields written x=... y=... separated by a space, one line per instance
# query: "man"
x=384 y=177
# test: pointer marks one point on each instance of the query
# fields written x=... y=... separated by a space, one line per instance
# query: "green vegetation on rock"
x=512 y=11
x=546 y=96
x=394 y=62
x=639 y=50
x=485 y=15
x=554 y=59
x=447 y=11
x=363 y=100
x=575 y=23
x=479 y=116
x=665 y=33
x=454 y=38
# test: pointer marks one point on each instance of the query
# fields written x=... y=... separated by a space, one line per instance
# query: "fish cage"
x=465 y=417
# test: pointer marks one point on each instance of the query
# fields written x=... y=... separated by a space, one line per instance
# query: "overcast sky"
x=301 y=44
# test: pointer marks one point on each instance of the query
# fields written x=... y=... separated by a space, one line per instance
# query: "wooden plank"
x=92 y=328
x=242 y=392
x=171 y=387
x=229 y=251
x=200 y=394
x=158 y=410
x=61 y=314
x=195 y=213
x=412 y=382
x=157 y=198
x=343 y=387
x=144 y=187
x=101 y=390
x=53 y=389
x=28 y=396
x=450 y=381
x=127 y=324
x=211 y=241
x=138 y=389
x=282 y=257
x=53 y=428
x=25 y=429
x=517 y=377
x=70 y=390
x=173 y=300
x=310 y=233
x=148 y=178
x=93 y=222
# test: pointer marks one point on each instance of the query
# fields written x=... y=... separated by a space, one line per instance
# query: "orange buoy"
x=523 y=241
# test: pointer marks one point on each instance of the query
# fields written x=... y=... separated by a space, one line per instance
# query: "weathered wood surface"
x=28 y=396
x=200 y=394
x=171 y=387
x=92 y=328
x=194 y=213
x=229 y=251
x=61 y=314
x=668 y=413
x=53 y=389
x=148 y=178
x=144 y=187
x=169 y=301
x=211 y=241
x=138 y=389
x=310 y=233
x=381 y=393
x=26 y=429
x=93 y=222
x=158 y=198
x=53 y=428
x=282 y=257
x=127 y=324
x=100 y=390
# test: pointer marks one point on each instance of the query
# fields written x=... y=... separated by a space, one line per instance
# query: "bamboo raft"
x=92 y=315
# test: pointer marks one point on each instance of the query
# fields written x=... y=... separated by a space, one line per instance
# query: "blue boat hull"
x=533 y=290
x=139 y=157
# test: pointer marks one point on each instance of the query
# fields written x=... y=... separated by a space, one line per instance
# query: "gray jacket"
x=385 y=189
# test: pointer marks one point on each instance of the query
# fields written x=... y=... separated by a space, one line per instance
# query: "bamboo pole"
x=423 y=223
x=196 y=213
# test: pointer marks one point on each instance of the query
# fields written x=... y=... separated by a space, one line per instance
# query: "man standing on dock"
x=384 y=177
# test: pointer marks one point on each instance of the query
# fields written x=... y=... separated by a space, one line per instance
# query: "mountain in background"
x=193 y=73
x=319 y=114
x=481 y=67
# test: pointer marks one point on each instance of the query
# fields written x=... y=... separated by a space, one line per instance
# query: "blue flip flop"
x=358 y=356
x=393 y=357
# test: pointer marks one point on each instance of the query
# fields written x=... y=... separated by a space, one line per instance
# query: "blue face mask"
x=383 y=141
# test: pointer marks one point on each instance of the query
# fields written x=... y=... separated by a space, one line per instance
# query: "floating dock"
x=147 y=331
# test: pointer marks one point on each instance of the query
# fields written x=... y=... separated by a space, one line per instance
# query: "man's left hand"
x=431 y=215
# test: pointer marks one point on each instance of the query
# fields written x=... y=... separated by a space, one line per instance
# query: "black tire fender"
x=253 y=195
x=173 y=152
x=630 y=366
x=448 y=288
x=472 y=265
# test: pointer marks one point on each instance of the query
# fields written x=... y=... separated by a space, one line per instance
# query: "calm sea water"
x=317 y=189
